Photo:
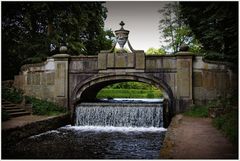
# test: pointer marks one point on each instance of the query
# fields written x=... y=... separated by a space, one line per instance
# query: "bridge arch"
x=87 y=90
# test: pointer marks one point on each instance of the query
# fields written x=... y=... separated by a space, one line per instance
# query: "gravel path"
x=22 y=120
x=196 y=138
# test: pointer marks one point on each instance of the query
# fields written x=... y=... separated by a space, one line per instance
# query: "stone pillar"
x=102 y=61
x=140 y=60
x=61 y=79
x=184 y=81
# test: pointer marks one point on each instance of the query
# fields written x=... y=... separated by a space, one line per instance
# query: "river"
x=101 y=132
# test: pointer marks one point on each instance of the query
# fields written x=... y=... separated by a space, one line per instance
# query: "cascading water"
x=120 y=114
x=106 y=130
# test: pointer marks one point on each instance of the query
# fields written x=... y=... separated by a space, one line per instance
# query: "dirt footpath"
x=196 y=138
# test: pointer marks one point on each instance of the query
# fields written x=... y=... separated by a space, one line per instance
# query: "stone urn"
x=184 y=47
x=122 y=36
x=63 y=49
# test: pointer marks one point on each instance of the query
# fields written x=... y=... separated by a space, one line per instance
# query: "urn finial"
x=122 y=35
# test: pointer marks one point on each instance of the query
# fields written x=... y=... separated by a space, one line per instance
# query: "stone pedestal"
x=184 y=81
x=61 y=79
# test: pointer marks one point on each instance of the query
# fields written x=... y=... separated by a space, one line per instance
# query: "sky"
x=140 y=18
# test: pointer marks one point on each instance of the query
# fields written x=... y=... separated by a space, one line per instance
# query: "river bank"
x=19 y=128
x=195 y=138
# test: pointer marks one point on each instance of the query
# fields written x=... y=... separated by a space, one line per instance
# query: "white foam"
x=151 y=100
x=114 y=129
x=45 y=133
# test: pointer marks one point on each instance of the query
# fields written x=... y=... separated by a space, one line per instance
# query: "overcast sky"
x=141 y=18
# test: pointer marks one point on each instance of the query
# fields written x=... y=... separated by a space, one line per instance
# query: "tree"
x=174 y=29
x=215 y=25
x=154 y=51
x=32 y=31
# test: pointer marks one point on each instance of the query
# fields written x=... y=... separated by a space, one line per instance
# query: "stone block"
x=159 y=63
x=167 y=63
x=150 y=64
x=76 y=65
x=37 y=78
x=43 y=79
x=60 y=79
x=33 y=77
x=208 y=81
x=50 y=78
x=130 y=62
x=140 y=60
x=197 y=79
x=29 y=79
x=110 y=60
x=183 y=79
x=102 y=61
x=121 y=60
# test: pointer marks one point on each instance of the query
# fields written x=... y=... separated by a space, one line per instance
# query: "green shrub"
x=197 y=111
x=150 y=95
x=129 y=93
x=228 y=124
x=12 y=94
x=42 y=107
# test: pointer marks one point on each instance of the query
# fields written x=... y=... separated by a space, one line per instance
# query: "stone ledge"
x=11 y=136
x=166 y=151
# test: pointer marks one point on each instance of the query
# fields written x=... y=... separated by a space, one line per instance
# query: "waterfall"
x=119 y=114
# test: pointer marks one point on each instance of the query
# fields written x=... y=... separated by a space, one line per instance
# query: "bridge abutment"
x=183 y=81
x=61 y=62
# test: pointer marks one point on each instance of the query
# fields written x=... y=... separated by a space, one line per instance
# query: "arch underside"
x=88 y=89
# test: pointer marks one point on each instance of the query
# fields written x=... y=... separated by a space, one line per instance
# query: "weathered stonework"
x=184 y=79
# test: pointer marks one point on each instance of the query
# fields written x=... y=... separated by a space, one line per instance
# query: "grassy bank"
x=39 y=107
x=226 y=122
x=42 y=107
x=129 y=93
x=197 y=111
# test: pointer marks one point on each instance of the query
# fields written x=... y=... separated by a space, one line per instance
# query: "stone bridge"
x=184 y=78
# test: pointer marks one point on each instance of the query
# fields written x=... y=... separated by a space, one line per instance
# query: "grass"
x=129 y=93
x=197 y=111
x=42 y=107
x=39 y=107
x=228 y=124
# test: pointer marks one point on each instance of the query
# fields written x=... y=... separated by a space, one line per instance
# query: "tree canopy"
x=174 y=30
x=154 y=51
x=31 y=31
x=215 y=25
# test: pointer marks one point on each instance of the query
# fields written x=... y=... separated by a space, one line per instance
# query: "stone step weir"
x=119 y=114
x=13 y=110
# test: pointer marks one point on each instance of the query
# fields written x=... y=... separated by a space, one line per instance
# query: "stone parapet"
x=116 y=61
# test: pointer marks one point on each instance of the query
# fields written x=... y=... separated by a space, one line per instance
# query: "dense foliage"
x=42 y=107
x=12 y=94
x=39 y=107
x=154 y=51
x=31 y=31
x=129 y=93
x=228 y=124
x=215 y=25
x=175 y=32
x=131 y=85
x=130 y=90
